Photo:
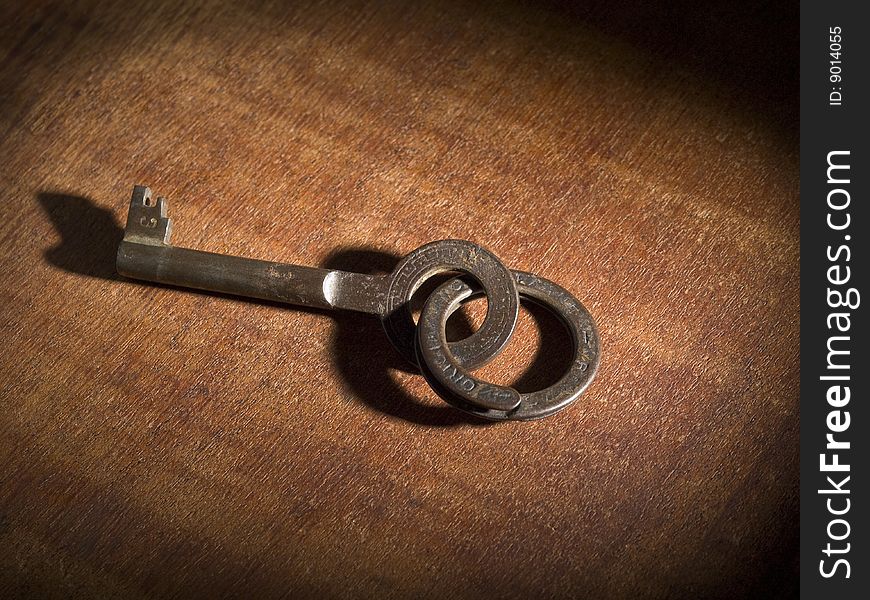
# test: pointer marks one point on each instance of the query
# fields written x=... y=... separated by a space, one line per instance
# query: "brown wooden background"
x=159 y=442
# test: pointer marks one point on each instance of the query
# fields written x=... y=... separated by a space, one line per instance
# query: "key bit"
x=147 y=222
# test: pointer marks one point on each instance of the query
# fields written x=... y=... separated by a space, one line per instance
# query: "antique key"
x=146 y=253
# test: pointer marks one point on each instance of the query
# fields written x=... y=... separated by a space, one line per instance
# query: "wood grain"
x=156 y=442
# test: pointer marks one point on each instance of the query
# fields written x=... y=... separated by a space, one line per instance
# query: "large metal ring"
x=457 y=386
x=442 y=257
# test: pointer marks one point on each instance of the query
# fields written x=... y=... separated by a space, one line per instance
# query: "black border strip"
x=834 y=265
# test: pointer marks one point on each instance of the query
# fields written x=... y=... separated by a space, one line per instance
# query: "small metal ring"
x=458 y=387
x=442 y=257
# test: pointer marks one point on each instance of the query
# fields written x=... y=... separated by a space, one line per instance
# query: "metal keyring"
x=446 y=256
x=461 y=389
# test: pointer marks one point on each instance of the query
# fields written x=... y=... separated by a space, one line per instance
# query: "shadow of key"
x=89 y=235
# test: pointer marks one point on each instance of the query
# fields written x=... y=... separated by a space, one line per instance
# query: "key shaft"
x=248 y=277
x=145 y=253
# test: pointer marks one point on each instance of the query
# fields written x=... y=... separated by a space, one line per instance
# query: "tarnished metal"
x=457 y=386
x=146 y=253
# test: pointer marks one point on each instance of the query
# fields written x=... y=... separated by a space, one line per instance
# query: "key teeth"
x=141 y=195
x=147 y=222
x=161 y=206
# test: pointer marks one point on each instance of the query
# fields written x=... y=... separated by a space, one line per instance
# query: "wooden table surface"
x=157 y=442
